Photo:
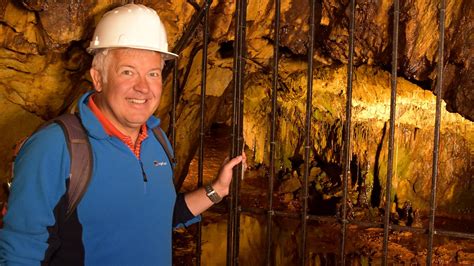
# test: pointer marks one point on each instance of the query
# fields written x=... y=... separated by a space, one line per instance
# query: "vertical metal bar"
x=234 y=214
x=230 y=223
x=393 y=104
x=174 y=97
x=192 y=26
x=201 y=126
x=240 y=125
x=276 y=55
x=187 y=35
x=347 y=136
x=439 y=85
x=307 y=147
x=232 y=209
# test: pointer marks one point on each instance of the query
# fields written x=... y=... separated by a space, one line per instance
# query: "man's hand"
x=197 y=200
x=222 y=183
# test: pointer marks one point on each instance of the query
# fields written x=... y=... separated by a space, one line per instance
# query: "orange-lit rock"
x=43 y=68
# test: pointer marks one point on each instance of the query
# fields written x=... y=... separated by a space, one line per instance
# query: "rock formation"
x=44 y=68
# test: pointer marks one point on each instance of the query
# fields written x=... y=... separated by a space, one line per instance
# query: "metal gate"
x=202 y=16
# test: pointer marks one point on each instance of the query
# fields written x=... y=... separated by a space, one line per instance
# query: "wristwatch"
x=212 y=194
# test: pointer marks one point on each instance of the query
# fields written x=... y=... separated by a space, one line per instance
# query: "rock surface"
x=43 y=69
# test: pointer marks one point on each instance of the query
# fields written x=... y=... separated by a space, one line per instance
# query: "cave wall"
x=43 y=69
x=370 y=125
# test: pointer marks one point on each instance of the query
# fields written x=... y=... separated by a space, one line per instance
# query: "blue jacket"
x=121 y=220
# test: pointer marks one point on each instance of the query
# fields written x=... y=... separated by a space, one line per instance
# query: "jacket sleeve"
x=41 y=169
x=182 y=216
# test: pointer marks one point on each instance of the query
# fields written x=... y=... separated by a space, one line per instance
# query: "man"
x=126 y=215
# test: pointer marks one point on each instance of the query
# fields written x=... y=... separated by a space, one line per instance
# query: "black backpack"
x=81 y=157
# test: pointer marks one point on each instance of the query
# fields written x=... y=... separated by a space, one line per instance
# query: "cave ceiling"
x=39 y=34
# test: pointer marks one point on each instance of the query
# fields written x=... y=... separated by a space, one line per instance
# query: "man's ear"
x=96 y=79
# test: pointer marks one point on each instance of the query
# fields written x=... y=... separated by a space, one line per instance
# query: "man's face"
x=132 y=91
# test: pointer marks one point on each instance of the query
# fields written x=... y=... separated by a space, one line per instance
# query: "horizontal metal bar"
x=334 y=219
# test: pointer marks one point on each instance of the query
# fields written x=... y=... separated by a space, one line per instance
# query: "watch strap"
x=212 y=194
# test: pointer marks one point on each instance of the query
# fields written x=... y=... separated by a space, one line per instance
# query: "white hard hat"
x=131 y=26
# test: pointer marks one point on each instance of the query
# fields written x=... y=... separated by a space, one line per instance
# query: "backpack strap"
x=80 y=152
x=160 y=136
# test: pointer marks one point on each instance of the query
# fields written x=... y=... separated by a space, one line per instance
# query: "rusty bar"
x=182 y=42
x=434 y=176
x=232 y=210
x=332 y=219
x=188 y=34
x=454 y=234
x=347 y=136
x=174 y=99
x=240 y=126
x=234 y=214
x=202 y=119
x=273 y=133
x=309 y=108
x=195 y=21
x=177 y=50
x=393 y=109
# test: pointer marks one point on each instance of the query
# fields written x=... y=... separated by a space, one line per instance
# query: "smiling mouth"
x=137 y=101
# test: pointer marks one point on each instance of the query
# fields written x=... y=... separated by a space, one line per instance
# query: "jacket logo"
x=156 y=163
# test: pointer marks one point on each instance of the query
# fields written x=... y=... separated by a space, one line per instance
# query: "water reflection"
x=363 y=245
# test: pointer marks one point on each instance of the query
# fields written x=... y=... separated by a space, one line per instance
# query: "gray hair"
x=101 y=60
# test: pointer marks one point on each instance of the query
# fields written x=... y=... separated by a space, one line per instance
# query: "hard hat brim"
x=166 y=55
